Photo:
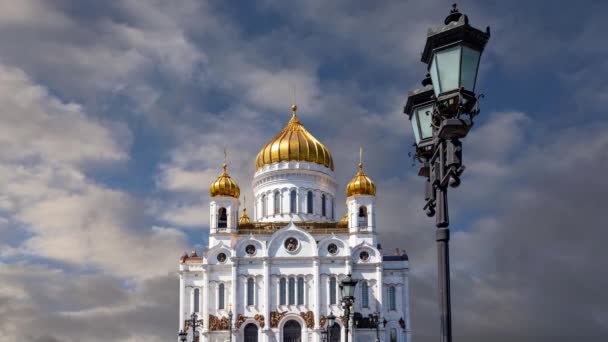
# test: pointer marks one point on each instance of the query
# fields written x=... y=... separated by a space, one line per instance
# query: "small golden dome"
x=244 y=219
x=294 y=143
x=344 y=219
x=361 y=184
x=224 y=185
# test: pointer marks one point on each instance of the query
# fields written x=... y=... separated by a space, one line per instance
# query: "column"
x=235 y=289
x=266 y=297
x=181 y=301
x=379 y=290
x=206 y=300
x=316 y=291
x=406 y=286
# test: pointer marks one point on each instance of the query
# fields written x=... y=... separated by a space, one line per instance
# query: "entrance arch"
x=251 y=333
x=292 y=331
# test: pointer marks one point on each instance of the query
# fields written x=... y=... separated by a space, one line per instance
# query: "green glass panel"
x=435 y=76
x=448 y=66
x=470 y=60
x=425 y=115
x=415 y=127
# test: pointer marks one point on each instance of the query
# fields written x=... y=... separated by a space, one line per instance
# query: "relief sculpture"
x=322 y=321
x=260 y=319
x=275 y=317
x=239 y=320
x=216 y=323
x=309 y=318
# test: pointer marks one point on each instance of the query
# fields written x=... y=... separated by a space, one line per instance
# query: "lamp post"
x=347 y=288
x=374 y=322
x=230 y=322
x=441 y=113
x=331 y=320
x=183 y=335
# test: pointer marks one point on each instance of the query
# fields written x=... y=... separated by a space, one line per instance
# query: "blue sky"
x=115 y=114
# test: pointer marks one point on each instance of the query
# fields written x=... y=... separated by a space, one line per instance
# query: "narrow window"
x=250 y=285
x=292 y=291
x=221 y=297
x=364 y=295
x=282 y=291
x=332 y=290
x=277 y=203
x=300 y=291
x=292 y=202
x=332 y=208
x=309 y=202
x=392 y=303
x=264 y=206
x=323 y=208
x=393 y=335
x=362 y=216
x=222 y=218
x=196 y=300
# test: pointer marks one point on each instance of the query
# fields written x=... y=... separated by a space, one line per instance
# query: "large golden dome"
x=294 y=143
x=224 y=185
x=361 y=184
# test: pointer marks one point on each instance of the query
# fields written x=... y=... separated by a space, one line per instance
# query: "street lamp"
x=440 y=118
x=347 y=288
x=182 y=336
x=331 y=320
x=230 y=322
x=374 y=322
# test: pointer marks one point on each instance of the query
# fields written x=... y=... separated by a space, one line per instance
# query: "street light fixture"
x=347 y=288
x=374 y=322
x=182 y=336
x=452 y=54
x=331 y=321
x=230 y=322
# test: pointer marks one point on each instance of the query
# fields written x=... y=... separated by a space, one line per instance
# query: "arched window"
x=220 y=296
x=250 y=293
x=282 y=291
x=332 y=290
x=323 y=207
x=392 y=301
x=300 y=291
x=277 y=202
x=292 y=201
x=364 y=295
x=309 y=202
x=292 y=291
x=264 y=206
x=196 y=300
x=222 y=218
x=362 y=219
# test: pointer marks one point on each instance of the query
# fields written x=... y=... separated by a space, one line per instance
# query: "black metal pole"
x=443 y=249
x=193 y=327
x=347 y=318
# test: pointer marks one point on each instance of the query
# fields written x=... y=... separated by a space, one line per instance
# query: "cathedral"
x=276 y=276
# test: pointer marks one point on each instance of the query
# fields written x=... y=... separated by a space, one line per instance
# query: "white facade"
x=282 y=271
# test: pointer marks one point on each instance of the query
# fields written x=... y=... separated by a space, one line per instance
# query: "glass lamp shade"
x=421 y=123
x=331 y=320
x=348 y=287
x=454 y=67
x=419 y=108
